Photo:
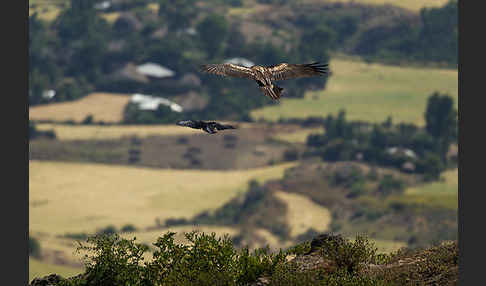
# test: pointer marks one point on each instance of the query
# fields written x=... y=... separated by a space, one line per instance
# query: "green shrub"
x=128 y=228
x=291 y=155
x=349 y=256
x=208 y=260
x=388 y=185
x=88 y=119
x=205 y=260
x=107 y=230
x=111 y=260
x=34 y=247
x=289 y=274
x=77 y=236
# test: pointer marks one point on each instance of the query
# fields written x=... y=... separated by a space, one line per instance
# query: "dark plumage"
x=208 y=126
x=265 y=75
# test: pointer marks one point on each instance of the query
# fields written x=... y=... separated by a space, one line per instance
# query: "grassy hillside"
x=105 y=107
x=369 y=92
x=163 y=146
x=103 y=132
x=443 y=193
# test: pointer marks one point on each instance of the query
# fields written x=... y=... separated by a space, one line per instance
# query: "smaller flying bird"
x=208 y=126
x=264 y=76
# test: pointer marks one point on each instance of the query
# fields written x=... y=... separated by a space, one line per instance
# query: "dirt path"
x=304 y=214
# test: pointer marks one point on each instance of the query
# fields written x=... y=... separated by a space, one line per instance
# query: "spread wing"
x=288 y=71
x=219 y=126
x=228 y=70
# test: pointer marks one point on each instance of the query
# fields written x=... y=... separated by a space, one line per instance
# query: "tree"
x=34 y=247
x=42 y=70
x=431 y=166
x=441 y=121
x=438 y=35
x=177 y=13
x=315 y=43
x=37 y=84
x=213 y=31
x=83 y=35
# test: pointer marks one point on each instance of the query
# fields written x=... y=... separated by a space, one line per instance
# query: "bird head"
x=187 y=123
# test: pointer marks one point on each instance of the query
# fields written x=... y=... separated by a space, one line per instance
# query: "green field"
x=369 y=92
x=414 y=5
x=442 y=193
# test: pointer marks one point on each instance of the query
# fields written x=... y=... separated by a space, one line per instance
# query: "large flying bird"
x=264 y=76
x=208 y=126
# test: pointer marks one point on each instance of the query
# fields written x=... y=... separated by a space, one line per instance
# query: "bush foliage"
x=389 y=144
x=209 y=260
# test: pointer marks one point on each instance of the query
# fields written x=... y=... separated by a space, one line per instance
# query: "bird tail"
x=277 y=91
x=223 y=127
x=274 y=92
x=209 y=130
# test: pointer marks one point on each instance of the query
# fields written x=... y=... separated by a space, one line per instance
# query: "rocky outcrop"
x=50 y=280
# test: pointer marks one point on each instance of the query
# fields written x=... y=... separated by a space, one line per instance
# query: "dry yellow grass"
x=154 y=7
x=46 y=13
x=103 y=132
x=369 y=92
x=385 y=246
x=414 y=5
x=303 y=214
x=39 y=268
x=107 y=107
x=77 y=197
x=111 y=17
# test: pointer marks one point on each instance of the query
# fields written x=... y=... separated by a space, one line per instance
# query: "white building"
x=401 y=151
x=102 y=5
x=240 y=61
x=154 y=70
x=147 y=102
x=48 y=94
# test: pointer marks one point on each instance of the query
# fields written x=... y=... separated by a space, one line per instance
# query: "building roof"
x=240 y=61
x=154 y=70
x=48 y=94
x=102 y=5
x=147 y=102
